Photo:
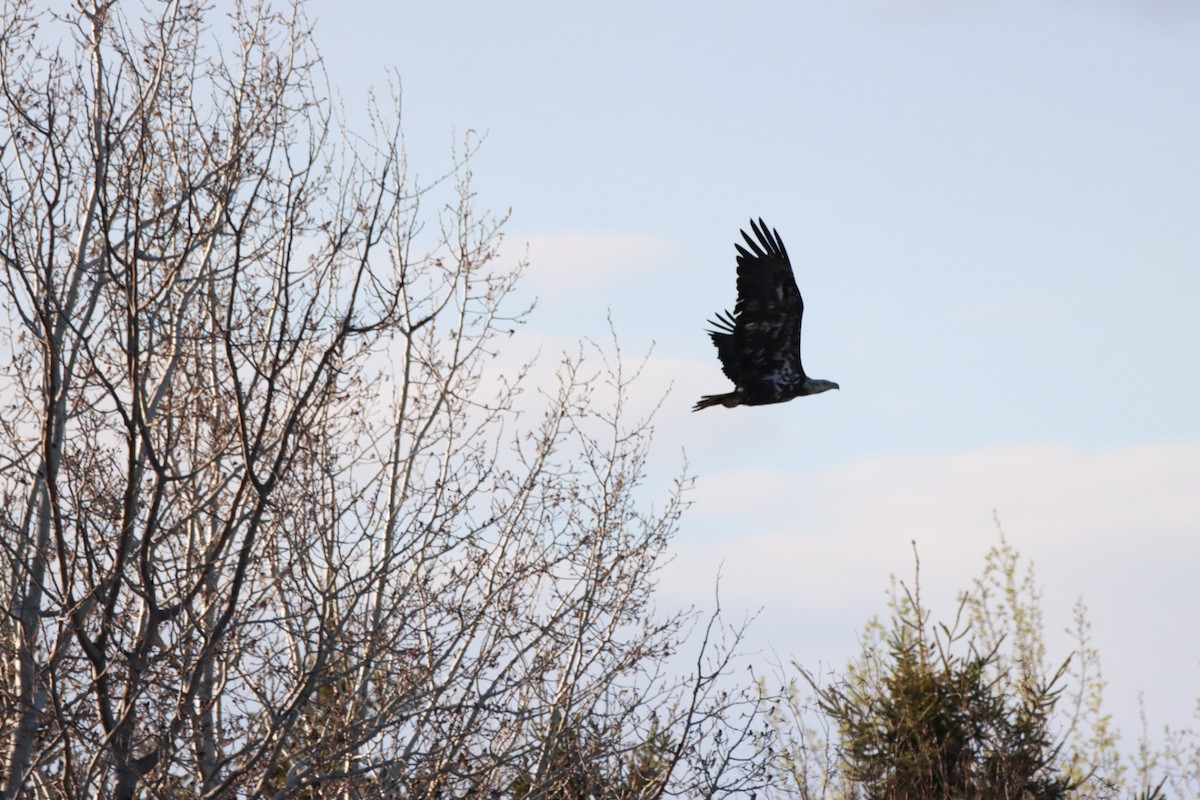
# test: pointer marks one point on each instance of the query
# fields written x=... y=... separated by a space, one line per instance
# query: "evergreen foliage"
x=961 y=711
x=934 y=723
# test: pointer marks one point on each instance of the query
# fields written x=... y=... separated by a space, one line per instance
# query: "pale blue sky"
x=992 y=209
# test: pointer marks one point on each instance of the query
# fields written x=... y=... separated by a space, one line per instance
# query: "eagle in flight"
x=759 y=343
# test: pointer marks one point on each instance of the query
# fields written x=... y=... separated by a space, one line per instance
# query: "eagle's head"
x=816 y=386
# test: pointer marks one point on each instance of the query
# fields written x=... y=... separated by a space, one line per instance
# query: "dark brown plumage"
x=759 y=344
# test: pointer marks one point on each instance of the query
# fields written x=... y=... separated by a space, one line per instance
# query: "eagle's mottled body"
x=759 y=344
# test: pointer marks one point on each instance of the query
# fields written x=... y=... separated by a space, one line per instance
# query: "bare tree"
x=273 y=524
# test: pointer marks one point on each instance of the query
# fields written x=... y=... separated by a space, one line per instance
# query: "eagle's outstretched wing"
x=766 y=329
x=723 y=328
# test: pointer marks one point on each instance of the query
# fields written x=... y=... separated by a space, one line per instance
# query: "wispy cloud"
x=566 y=261
x=1119 y=527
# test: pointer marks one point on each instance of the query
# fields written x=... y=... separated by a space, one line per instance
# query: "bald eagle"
x=759 y=344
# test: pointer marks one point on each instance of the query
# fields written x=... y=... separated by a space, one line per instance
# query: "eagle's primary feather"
x=759 y=344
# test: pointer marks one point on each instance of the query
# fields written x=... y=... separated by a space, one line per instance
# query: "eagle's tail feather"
x=728 y=400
